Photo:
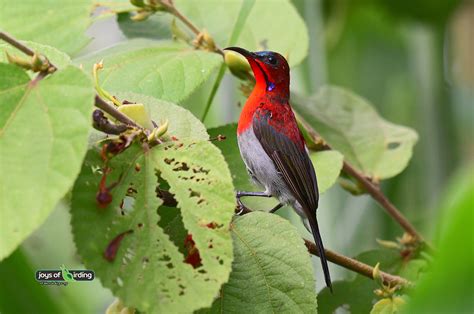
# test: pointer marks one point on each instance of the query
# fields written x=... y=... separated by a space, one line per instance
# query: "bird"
x=272 y=146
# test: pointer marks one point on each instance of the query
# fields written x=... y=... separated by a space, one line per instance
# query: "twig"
x=171 y=8
x=15 y=43
x=355 y=265
x=26 y=50
x=112 y=110
x=344 y=261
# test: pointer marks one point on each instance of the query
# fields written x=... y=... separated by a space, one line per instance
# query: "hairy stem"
x=346 y=262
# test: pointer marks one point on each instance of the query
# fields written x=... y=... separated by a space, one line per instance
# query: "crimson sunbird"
x=272 y=146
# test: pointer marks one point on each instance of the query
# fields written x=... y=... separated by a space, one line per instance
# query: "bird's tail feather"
x=313 y=222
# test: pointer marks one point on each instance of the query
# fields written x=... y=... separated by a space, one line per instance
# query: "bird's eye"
x=272 y=60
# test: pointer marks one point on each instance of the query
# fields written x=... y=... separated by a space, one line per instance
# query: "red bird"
x=272 y=146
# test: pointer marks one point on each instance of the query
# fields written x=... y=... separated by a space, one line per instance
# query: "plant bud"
x=141 y=16
x=237 y=64
x=24 y=63
x=376 y=272
x=211 y=45
x=178 y=33
x=388 y=244
x=138 y=3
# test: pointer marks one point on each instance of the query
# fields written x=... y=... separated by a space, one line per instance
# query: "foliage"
x=152 y=205
x=44 y=126
x=270 y=257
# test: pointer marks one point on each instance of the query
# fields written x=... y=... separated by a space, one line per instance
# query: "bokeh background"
x=413 y=60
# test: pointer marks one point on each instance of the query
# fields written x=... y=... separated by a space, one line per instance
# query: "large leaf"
x=61 y=24
x=349 y=124
x=327 y=164
x=43 y=139
x=260 y=32
x=182 y=123
x=149 y=271
x=165 y=70
x=271 y=272
x=447 y=287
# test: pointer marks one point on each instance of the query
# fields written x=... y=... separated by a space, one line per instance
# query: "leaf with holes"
x=165 y=70
x=259 y=32
x=272 y=270
x=349 y=124
x=138 y=252
x=43 y=139
x=36 y=20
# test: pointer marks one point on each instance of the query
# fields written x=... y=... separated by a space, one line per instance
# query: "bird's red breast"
x=276 y=109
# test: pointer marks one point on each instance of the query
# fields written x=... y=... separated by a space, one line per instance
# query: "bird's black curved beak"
x=247 y=54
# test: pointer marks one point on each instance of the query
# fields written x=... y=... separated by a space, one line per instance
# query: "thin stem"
x=344 y=261
x=173 y=10
x=15 y=43
x=112 y=110
x=355 y=265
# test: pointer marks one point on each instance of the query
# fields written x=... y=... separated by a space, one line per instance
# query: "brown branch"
x=344 y=261
x=15 y=43
x=355 y=265
x=112 y=110
x=49 y=67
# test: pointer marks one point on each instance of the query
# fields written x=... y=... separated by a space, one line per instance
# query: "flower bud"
x=237 y=64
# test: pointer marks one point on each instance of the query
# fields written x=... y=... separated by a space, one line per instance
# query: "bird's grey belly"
x=262 y=169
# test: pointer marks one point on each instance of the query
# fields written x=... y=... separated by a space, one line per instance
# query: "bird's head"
x=270 y=69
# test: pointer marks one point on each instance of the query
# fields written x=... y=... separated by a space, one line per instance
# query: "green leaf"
x=272 y=270
x=349 y=124
x=388 y=306
x=447 y=286
x=149 y=271
x=182 y=123
x=56 y=57
x=59 y=24
x=260 y=32
x=18 y=268
x=328 y=165
x=43 y=139
x=165 y=70
x=155 y=27
x=357 y=295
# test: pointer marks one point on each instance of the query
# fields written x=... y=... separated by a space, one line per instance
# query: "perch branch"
x=346 y=262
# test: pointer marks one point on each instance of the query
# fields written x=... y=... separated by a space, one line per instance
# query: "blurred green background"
x=412 y=59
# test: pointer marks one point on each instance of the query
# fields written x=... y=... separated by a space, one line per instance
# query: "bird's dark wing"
x=283 y=143
x=290 y=158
